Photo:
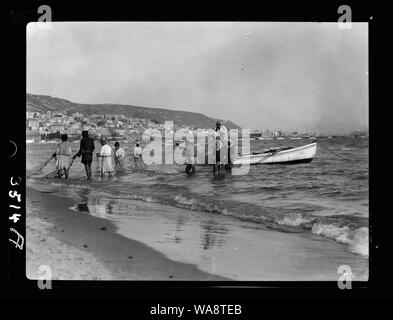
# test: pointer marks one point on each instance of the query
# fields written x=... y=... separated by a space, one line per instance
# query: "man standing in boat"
x=86 y=150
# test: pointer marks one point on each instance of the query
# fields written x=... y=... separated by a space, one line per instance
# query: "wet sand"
x=122 y=239
x=79 y=246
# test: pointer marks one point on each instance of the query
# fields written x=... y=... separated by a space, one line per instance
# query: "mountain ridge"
x=44 y=103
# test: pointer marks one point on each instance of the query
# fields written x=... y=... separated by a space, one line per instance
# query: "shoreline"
x=126 y=239
x=91 y=248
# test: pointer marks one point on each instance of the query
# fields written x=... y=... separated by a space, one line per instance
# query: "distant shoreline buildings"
x=49 y=125
x=41 y=126
x=279 y=134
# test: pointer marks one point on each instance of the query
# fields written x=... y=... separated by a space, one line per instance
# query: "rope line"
x=356 y=163
x=41 y=166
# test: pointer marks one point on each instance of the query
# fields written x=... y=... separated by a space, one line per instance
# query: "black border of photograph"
x=164 y=291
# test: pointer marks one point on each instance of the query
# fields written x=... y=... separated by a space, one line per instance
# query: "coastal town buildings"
x=51 y=124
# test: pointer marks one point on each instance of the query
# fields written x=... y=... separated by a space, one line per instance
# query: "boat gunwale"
x=310 y=145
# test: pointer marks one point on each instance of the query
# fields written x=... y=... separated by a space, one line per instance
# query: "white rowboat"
x=302 y=154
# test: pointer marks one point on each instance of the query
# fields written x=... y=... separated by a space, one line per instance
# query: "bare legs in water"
x=88 y=170
x=60 y=173
x=216 y=169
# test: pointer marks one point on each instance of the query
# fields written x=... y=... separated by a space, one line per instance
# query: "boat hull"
x=304 y=154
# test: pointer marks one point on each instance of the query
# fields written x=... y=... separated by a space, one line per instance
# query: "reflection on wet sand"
x=99 y=207
x=179 y=223
x=82 y=207
x=212 y=232
x=213 y=235
x=102 y=208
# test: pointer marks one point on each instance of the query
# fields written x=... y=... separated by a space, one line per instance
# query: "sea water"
x=313 y=214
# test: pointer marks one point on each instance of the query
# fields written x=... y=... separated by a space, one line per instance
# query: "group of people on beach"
x=86 y=149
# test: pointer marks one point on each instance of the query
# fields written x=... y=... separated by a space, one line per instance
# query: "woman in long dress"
x=119 y=158
x=63 y=155
x=106 y=158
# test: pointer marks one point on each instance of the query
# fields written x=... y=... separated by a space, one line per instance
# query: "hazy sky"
x=260 y=75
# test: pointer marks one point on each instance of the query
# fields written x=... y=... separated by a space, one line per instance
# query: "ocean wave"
x=357 y=239
x=343 y=229
x=348 y=230
x=296 y=220
x=184 y=200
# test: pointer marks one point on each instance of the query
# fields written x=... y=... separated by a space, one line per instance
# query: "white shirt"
x=137 y=151
x=219 y=144
x=119 y=153
x=189 y=153
x=106 y=150
x=223 y=129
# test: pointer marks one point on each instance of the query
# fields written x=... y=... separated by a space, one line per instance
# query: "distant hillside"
x=43 y=103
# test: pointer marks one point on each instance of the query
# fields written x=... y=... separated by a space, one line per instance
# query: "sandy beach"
x=85 y=235
x=82 y=247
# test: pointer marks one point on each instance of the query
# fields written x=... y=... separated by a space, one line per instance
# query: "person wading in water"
x=217 y=166
x=220 y=144
x=190 y=160
x=119 y=156
x=63 y=154
x=138 y=160
x=86 y=151
x=106 y=156
x=218 y=126
x=228 y=166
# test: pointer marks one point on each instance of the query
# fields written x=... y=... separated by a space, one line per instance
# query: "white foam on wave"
x=184 y=200
x=357 y=239
x=225 y=212
x=295 y=220
x=196 y=205
x=148 y=199
x=144 y=198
